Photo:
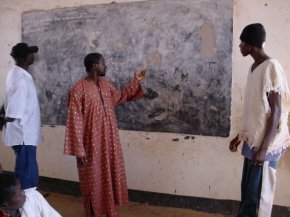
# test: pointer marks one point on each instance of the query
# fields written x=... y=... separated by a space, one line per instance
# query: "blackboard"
x=186 y=46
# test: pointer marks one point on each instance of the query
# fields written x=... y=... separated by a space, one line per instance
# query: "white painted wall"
x=202 y=167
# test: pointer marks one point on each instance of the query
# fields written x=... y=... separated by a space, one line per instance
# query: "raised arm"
x=131 y=92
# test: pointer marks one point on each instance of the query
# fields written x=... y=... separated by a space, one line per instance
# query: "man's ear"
x=95 y=66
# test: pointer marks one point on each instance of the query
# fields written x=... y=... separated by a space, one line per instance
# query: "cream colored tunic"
x=268 y=76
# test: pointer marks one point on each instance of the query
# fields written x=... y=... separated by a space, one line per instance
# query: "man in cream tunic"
x=264 y=129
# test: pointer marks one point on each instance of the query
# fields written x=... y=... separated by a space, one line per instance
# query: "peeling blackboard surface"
x=186 y=45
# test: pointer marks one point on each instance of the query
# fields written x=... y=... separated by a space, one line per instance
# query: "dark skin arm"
x=234 y=144
x=272 y=124
x=81 y=160
x=4 y=119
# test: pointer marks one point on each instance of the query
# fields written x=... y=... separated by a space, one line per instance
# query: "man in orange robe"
x=92 y=136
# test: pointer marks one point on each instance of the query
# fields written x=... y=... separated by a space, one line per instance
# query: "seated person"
x=15 y=202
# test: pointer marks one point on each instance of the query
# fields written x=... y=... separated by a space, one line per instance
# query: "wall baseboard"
x=226 y=207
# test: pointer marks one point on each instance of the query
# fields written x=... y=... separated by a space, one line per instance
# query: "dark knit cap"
x=21 y=50
x=254 y=34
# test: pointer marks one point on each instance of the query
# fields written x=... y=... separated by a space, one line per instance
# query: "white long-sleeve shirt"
x=21 y=103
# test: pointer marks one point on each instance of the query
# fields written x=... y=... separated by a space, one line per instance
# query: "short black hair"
x=90 y=59
x=21 y=50
x=7 y=180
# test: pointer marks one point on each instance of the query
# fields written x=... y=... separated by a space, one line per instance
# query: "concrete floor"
x=69 y=206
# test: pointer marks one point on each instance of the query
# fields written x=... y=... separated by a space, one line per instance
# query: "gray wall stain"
x=186 y=46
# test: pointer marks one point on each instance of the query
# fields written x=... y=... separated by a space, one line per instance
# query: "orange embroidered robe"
x=92 y=132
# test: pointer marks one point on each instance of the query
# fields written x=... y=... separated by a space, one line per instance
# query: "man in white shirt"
x=22 y=115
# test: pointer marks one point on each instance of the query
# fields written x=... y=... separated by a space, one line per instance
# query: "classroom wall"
x=165 y=162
